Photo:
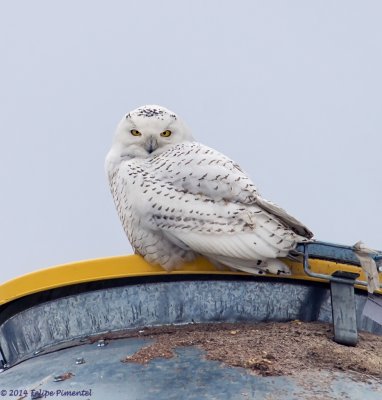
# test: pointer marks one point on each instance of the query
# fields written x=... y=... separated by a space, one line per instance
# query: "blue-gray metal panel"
x=187 y=376
x=335 y=252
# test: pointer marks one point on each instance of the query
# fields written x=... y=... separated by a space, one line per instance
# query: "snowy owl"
x=178 y=199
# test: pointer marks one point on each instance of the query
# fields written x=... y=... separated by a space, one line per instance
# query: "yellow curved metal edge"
x=135 y=266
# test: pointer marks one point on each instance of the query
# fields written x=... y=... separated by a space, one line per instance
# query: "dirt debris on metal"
x=267 y=349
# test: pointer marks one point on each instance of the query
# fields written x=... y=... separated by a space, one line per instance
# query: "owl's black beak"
x=151 y=144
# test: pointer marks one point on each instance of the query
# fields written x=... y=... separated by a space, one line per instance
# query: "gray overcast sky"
x=291 y=90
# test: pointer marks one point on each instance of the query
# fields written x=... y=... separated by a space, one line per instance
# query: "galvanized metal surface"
x=136 y=306
x=373 y=309
x=187 y=376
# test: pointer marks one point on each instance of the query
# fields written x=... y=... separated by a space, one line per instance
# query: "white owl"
x=178 y=199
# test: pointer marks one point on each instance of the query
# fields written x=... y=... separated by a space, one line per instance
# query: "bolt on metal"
x=63 y=377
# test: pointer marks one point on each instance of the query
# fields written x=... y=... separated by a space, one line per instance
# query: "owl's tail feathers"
x=256 y=267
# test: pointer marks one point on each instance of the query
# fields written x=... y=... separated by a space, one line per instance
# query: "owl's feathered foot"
x=171 y=262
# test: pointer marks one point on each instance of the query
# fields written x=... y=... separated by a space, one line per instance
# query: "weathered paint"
x=188 y=375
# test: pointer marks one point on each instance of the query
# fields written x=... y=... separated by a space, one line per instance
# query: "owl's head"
x=146 y=132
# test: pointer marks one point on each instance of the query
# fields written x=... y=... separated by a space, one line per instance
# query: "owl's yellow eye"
x=134 y=132
x=166 y=133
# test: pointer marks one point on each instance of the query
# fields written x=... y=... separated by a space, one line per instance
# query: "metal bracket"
x=331 y=278
x=343 y=302
x=343 y=308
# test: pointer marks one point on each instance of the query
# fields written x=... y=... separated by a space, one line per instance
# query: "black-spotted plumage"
x=185 y=199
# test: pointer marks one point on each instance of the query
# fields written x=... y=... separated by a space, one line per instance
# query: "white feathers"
x=177 y=198
x=368 y=264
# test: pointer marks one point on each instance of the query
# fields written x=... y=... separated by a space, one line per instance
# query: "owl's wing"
x=198 y=169
x=291 y=222
x=225 y=228
x=153 y=204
